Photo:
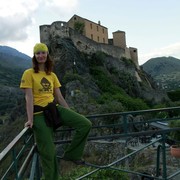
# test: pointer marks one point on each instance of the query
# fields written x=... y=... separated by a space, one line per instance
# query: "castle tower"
x=134 y=56
x=119 y=39
x=44 y=33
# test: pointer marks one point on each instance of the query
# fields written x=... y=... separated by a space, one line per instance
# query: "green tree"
x=79 y=26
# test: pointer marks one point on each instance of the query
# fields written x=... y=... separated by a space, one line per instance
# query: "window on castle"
x=91 y=26
x=74 y=18
x=134 y=51
x=92 y=36
x=98 y=38
x=103 y=30
x=97 y=28
x=103 y=40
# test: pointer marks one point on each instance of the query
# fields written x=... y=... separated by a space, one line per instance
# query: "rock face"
x=74 y=57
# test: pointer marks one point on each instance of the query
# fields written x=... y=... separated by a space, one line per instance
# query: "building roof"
x=89 y=20
x=119 y=31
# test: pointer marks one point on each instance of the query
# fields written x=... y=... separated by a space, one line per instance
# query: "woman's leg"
x=46 y=148
x=82 y=127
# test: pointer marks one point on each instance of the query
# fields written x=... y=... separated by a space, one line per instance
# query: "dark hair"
x=48 y=65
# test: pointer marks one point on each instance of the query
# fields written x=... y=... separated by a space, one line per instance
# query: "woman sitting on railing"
x=47 y=110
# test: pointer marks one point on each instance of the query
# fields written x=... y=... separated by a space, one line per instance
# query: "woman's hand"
x=28 y=124
x=59 y=98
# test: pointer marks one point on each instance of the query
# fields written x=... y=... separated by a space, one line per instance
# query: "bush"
x=104 y=82
x=131 y=104
x=111 y=107
x=97 y=59
x=71 y=77
x=101 y=174
x=175 y=135
x=174 y=95
x=79 y=26
x=105 y=174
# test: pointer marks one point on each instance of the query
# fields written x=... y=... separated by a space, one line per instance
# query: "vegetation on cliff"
x=91 y=83
x=98 y=83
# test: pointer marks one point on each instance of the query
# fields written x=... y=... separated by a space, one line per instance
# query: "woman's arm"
x=60 y=99
x=29 y=107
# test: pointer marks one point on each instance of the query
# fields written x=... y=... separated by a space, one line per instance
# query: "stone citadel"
x=90 y=37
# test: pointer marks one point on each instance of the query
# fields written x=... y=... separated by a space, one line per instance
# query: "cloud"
x=171 y=50
x=60 y=7
x=18 y=17
x=12 y=7
x=14 y=30
x=19 y=20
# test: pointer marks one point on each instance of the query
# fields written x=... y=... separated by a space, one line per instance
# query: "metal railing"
x=20 y=159
x=16 y=157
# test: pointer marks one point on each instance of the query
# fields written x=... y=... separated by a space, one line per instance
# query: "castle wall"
x=92 y=30
x=96 y=32
x=56 y=29
x=87 y=45
x=84 y=44
x=127 y=53
x=60 y=29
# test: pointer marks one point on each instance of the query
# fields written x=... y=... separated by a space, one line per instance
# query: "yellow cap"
x=40 y=47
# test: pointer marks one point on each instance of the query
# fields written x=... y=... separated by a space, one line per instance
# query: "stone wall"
x=59 y=29
x=89 y=46
x=55 y=30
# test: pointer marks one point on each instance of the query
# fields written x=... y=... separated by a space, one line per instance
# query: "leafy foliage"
x=71 y=77
x=174 y=95
x=79 y=26
x=103 y=174
x=103 y=81
x=96 y=59
x=175 y=135
x=127 y=61
x=113 y=92
x=10 y=77
x=12 y=62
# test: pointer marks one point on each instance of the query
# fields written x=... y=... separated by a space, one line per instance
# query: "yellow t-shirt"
x=42 y=86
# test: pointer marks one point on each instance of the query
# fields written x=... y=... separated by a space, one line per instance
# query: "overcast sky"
x=153 y=27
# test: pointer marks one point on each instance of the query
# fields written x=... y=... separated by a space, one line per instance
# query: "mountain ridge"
x=11 y=58
x=165 y=71
x=13 y=52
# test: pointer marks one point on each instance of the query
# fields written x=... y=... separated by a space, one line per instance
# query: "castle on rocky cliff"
x=90 y=37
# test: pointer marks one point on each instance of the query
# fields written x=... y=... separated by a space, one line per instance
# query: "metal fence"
x=20 y=160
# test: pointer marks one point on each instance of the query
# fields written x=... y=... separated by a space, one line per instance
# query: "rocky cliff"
x=88 y=77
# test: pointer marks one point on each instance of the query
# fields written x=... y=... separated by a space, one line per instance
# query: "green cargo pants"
x=44 y=137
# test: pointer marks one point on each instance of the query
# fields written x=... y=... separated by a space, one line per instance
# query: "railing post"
x=125 y=123
x=158 y=160
x=164 y=156
x=38 y=173
x=15 y=163
x=35 y=169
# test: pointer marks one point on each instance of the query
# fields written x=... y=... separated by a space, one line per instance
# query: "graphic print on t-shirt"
x=46 y=85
